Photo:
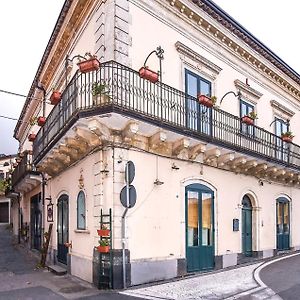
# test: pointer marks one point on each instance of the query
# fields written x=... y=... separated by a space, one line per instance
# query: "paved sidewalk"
x=217 y=285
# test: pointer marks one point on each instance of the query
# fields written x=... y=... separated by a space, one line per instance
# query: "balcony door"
x=198 y=117
x=281 y=126
x=283 y=223
x=62 y=228
x=199 y=228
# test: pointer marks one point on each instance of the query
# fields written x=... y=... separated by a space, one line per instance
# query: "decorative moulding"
x=281 y=110
x=247 y=92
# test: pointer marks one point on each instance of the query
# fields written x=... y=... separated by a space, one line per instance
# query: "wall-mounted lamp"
x=175 y=167
x=231 y=92
x=158 y=182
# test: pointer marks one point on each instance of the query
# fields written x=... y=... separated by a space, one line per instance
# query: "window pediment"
x=247 y=92
x=280 y=110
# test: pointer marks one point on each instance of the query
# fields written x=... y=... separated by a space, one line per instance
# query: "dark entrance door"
x=283 y=223
x=247 y=226
x=36 y=222
x=62 y=228
x=199 y=228
x=4 y=212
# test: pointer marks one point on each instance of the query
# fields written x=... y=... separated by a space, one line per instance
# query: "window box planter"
x=247 y=120
x=206 y=101
x=55 y=97
x=41 y=121
x=103 y=232
x=31 y=137
x=287 y=137
x=103 y=249
x=92 y=64
x=148 y=74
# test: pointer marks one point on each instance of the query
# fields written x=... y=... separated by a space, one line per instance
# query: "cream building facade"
x=212 y=191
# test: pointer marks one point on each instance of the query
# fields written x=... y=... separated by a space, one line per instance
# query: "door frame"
x=200 y=188
x=63 y=197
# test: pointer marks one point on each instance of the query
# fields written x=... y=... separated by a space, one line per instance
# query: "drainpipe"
x=123 y=247
x=43 y=207
x=19 y=220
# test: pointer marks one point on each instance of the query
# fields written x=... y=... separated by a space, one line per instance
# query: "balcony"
x=24 y=177
x=125 y=96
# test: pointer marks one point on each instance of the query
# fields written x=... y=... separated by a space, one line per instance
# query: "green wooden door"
x=283 y=224
x=62 y=228
x=247 y=226
x=199 y=228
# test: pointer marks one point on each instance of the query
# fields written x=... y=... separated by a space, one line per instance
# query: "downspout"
x=19 y=220
x=123 y=247
x=43 y=207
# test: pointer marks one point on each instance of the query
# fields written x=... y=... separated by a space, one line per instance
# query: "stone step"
x=57 y=270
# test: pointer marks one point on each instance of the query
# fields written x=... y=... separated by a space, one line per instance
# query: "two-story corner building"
x=215 y=186
x=6 y=166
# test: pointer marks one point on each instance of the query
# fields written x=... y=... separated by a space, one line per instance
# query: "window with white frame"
x=81 y=211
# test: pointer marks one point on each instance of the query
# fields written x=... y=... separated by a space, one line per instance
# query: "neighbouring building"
x=215 y=186
x=6 y=167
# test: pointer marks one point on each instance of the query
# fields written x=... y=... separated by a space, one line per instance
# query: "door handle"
x=68 y=244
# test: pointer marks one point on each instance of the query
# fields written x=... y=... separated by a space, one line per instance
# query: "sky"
x=26 y=27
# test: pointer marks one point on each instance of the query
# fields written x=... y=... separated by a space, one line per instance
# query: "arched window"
x=81 y=220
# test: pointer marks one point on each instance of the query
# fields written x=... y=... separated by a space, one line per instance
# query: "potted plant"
x=207 y=101
x=41 y=121
x=249 y=119
x=99 y=93
x=91 y=64
x=148 y=74
x=31 y=137
x=103 y=246
x=55 y=97
x=104 y=231
x=287 y=136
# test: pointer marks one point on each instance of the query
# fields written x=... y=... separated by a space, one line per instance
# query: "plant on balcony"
x=55 y=97
x=99 y=92
x=207 y=101
x=31 y=137
x=89 y=65
x=249 y=119
x=148 y=74
x=41 y=121
x=287 y=136
x=103 y=246
x=104 y=231
x=5 y=184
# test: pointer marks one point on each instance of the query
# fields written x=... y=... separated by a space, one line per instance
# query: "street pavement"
x=275 y=279
x=20 y=279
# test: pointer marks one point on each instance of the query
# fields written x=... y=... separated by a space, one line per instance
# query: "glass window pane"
x=286 y=217
x=81 y=211
x=279 y=218
x=206 y=219
x=205 y=88
x=193 y=217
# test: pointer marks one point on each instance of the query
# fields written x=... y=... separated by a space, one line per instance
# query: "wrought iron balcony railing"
x=124 y=92
x=23 y=168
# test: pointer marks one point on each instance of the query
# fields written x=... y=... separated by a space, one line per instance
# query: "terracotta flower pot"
x=148 y=74
x=103 y=232
x=103 y=249
x=287 y=139
x=89 y=65
x=31 y=137
x=55 y=97
x=206 y=101
x=41 y=121
x=247 y=120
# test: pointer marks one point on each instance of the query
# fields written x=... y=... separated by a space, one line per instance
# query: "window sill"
x=82 y=231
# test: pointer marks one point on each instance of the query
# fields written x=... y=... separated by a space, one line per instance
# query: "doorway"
x=62 y=228
x=247 y=226
x=199 y=228
x=4 y=212
x=283 y=223
x=36 y=222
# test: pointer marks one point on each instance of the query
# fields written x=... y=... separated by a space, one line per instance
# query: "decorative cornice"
x=247 y=89
x=188 y=52
x=235 y=43
x=280 y=109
